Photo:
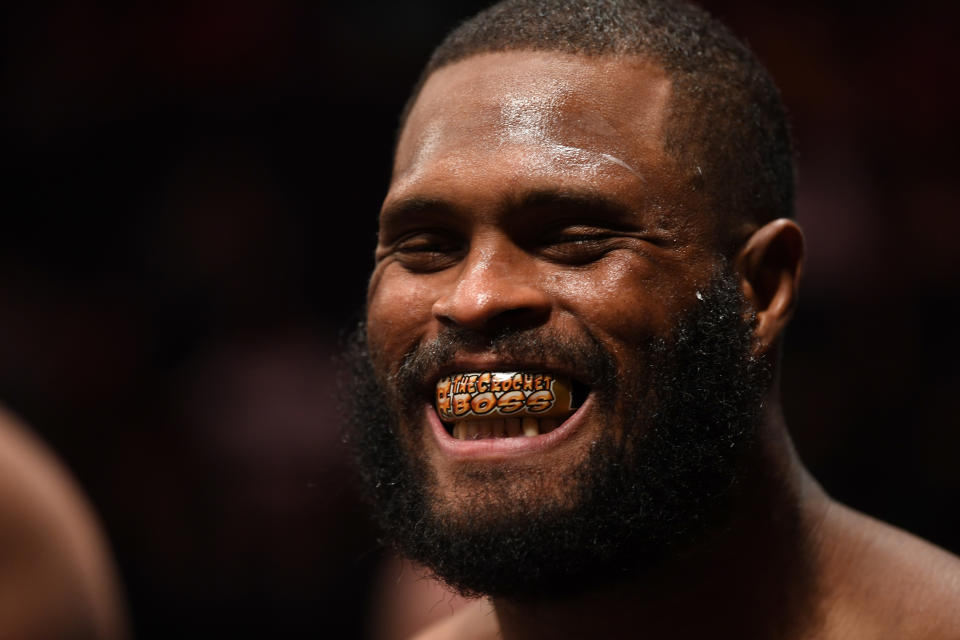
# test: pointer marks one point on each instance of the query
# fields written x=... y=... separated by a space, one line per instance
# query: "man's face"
x=535 y=223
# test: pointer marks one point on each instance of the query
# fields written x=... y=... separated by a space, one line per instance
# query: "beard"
x=658 y=478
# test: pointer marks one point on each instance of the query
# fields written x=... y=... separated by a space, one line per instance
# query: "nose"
x=495 y=289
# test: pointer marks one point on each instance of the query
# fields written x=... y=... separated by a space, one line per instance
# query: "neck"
x=755 y=578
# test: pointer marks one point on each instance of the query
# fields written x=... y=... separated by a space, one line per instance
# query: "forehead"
x=587 y=109
x=498 y=129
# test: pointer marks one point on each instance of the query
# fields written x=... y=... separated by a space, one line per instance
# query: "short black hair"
x=728 y=129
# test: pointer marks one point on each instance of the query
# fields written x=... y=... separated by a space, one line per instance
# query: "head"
x=598 y=190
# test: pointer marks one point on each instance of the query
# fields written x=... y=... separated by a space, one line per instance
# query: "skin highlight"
x=486 y=227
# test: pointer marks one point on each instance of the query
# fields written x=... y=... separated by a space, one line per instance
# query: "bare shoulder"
x=475 y=621
x=881 y=582
x=58 y=576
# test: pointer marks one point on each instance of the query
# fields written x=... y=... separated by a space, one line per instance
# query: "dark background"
x=189 y=201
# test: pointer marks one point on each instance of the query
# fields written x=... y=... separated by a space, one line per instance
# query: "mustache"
x=582 y=353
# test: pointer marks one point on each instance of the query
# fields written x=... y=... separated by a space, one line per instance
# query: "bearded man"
x=567 y=390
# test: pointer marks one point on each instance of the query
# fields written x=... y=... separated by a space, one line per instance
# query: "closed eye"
x=427 y=251
x=580 y=244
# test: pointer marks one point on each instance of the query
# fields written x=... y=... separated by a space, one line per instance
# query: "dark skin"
x=57 y=578
x=532 y=190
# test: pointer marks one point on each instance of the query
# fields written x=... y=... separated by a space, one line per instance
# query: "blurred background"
x=189 y=201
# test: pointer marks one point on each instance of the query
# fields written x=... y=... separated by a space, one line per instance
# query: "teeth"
x=484 y=429
x=503 y=428
x=472 y=429
x=531 y=427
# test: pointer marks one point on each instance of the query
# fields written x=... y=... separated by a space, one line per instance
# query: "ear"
x=770 y=264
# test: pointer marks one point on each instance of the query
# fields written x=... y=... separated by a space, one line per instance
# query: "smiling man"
x=567 y=382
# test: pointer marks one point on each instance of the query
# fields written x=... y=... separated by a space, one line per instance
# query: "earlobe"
x=770 y=265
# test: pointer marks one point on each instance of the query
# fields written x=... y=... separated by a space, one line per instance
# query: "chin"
x=487 y=496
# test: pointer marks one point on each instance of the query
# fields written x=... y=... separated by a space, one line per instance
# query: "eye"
x=578 y=244
x=427 y=251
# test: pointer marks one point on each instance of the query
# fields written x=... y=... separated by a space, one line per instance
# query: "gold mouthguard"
x=498 y=394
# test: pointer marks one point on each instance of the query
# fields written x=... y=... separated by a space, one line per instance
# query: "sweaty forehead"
x=613 y=108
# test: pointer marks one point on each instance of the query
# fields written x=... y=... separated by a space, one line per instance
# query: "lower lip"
x=492 y=448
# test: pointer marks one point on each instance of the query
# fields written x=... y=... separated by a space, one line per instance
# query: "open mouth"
x=506 y=404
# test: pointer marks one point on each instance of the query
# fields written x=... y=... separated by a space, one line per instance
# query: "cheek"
x=398 y=308
x=625 y=299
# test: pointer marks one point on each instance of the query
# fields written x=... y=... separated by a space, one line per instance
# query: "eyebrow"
x=575 y=199
x=397 y=212
x=557 y=200
x=573 y=204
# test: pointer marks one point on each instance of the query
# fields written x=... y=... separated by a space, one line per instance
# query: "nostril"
x=519 y=318
x=509 y=306
x=508 y=319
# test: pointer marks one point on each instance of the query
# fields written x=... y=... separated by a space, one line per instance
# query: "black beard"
x=634 y=502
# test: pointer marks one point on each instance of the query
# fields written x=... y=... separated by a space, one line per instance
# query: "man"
x=57 y=579
x=595 y=199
